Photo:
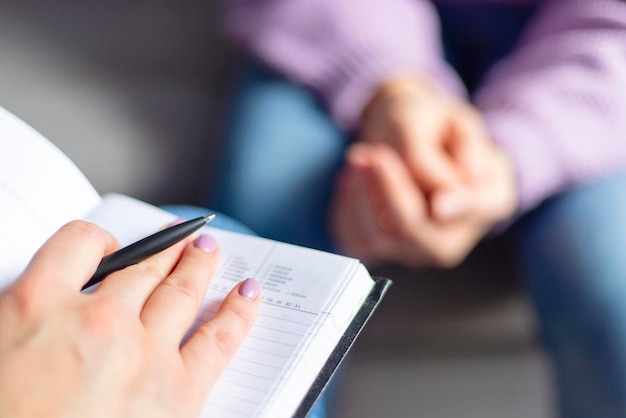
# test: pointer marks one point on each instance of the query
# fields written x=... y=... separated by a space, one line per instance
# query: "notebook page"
x=333 y=322
x=299 y=287
x=40 y=190
x=297 y=284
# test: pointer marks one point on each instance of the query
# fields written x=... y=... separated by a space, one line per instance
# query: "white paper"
x=40 y=190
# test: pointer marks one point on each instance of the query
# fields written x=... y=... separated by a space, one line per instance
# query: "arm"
x=557 y=105
x=343 y=49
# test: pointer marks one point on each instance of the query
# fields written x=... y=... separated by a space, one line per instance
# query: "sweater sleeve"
x=343 y=49
x=557 y=105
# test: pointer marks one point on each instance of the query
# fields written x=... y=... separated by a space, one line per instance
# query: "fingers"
x=354 y=221
x=67 y=260
x=439 y=138
x=395 y=197
x=398 y=205
x=478 y=161
x=467 y=153
x=468 y=148
x=209 y=350
x=171 y=309
x=420 y=131
x=134 y=284
x=469 y=143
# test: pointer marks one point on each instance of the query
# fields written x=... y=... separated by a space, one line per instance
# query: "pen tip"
x=209 y=218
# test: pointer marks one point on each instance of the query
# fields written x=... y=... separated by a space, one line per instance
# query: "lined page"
x=40 y=190
x=297 y=284
x=331 y=325
x=301 y=317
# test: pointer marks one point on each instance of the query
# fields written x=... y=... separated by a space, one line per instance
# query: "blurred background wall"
x=132 y=91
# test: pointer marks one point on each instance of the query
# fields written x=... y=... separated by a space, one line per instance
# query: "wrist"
x=400 y=88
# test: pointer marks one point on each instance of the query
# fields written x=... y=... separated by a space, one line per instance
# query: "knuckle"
x=222 y=339
x=149 y=268
x=22 y=300
x=225 y=334
x=86 y=228
x=242 y=315
x=225 y=341
x=183 y=286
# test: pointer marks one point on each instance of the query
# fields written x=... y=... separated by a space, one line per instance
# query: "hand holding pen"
x=146 y=247
x=116 y=351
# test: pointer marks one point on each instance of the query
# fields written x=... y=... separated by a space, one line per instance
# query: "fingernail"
x=249 y=288
x=206 y=242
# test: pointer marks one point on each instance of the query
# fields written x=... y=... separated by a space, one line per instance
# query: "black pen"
x=146 y=247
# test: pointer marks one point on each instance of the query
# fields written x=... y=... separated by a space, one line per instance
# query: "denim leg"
x=572 y=252
x=280 y=156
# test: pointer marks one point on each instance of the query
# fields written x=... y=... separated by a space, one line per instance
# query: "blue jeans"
x=278 y=162
x=572 y=259
x=224 y=222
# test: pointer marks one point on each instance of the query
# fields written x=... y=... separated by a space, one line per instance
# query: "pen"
x=146 y=247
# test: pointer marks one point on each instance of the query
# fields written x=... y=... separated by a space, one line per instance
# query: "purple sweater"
x=557 y=104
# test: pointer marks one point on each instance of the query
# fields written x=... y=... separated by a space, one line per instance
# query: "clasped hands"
x=423 y=183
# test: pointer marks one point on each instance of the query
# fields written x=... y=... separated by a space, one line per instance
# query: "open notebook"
x=314 y=303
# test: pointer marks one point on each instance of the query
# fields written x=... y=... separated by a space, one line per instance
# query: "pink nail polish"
x=206 y=242
x=249 y=288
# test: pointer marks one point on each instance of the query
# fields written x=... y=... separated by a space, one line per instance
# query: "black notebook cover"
x=344 y=344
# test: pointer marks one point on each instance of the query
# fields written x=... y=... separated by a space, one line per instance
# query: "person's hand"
x=381 y=215
x=442 y=139
x=116 y=352
x=424 y=182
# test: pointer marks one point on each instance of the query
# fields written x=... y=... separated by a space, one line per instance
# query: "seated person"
x=408 y=131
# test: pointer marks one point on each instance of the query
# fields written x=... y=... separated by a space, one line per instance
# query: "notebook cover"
x=358 y=322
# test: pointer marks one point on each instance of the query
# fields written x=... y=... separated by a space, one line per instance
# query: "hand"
x=116 y=352
x=424 y=184
x=381 y=215
x=442 y=140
